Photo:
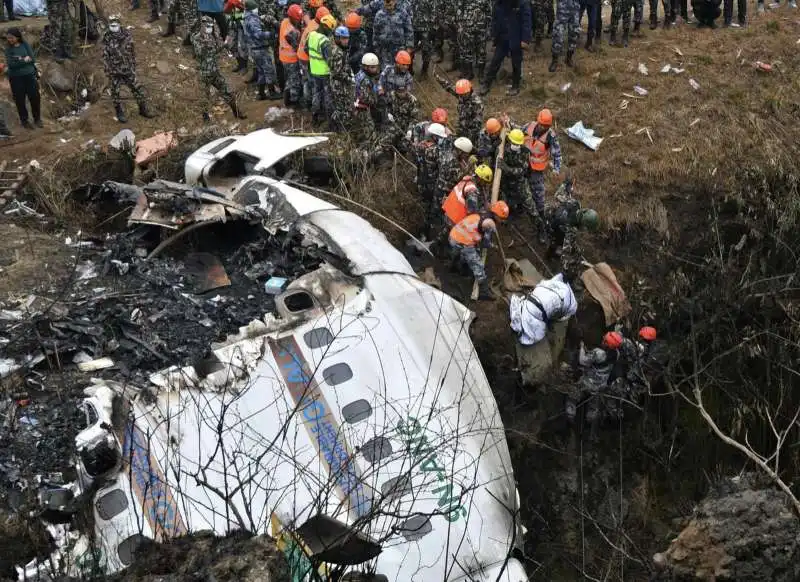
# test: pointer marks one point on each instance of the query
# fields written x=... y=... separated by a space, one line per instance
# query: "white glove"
x=390 y=117
x=408 y=135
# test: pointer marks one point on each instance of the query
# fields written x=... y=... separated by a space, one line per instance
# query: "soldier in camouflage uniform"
x=542 y=15
x=207 y=48
x=60 y=27
x=563 y=221
x=455 y=162
x=474 y=20
x=393 y=31
x=119 y=63
x=357 y=44
x=514 y=183
x=593 y=387
x=447 y=20
x=489 y=141
x=470 y=107
x=341 y=77
x=403 y=113
x=235 y=11
x=424 y=22
x=293 y=87
x=367 y=114
x=620 y=8
x=426 y=157
x=259 y=42
x=568 y=21
x=396 y=75
x=178 y=8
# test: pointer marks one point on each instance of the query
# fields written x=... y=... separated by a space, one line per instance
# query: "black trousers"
x=679 y=7
x=592 y=9
x=741 y=8
x=26 y=88
x=9 y=8
x=501 y=51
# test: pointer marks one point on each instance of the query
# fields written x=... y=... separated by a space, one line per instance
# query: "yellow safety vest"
x=317 y=63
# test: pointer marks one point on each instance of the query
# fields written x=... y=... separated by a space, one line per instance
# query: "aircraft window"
x=99 y=457
x=396 y=486
x=91 y=414
x=376 y=449
x=112 y=504
x=416 y=528
x=356 y=411
x=318 y=337
x=127 y=549
x=299 y=301
x=329 y=540
x=337 y=374
x=221 y=145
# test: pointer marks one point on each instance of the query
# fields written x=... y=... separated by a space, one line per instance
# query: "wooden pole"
x=498 y=173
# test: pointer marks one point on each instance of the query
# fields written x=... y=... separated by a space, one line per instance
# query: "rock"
x=163 y=67
x=124 y=140
x=58 y=77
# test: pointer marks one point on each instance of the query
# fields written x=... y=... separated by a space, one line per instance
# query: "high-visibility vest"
x=301 y=50
x=286 y=54
x=467 y=232
x=539 y=148
x=455 y=205
x=317 y=65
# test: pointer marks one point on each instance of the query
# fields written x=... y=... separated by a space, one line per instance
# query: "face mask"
x=515 y=147
x=114 y=28
x=209 y=29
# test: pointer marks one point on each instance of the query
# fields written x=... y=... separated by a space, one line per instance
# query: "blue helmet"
x=342 y=31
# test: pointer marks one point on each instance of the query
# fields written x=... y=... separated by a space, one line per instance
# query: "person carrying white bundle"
x=533 y=313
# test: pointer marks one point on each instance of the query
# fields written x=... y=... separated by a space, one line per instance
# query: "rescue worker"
x=489 y=141
x=469 y=196
x=511 y=32
x=393 y=31
x=313 y=5
x=423 y=19
x=342 y=88
x=514 y=183
x=367 y=115
x=706 y=12
x=563 y=221
x=426 y=155
x=403 y=112
x=542 y=144
x=568 y=22
x=119 y=63
x=318 y=47
x=474 y=18
x=288 y=45
x=235 y=11
x=620 y=8
x=597 y=366
x=593 y=32
x=259 y=42
x=473 y=233
x=357 y=45
x=470 y=107
x=418 y=132
x=60 y=27
x=634 y=354
x=396 y=75
x=302 y=54
x=455 y=161
x=207 y=48
x=186 y=9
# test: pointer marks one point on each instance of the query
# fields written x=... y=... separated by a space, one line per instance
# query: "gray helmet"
x=589 y=218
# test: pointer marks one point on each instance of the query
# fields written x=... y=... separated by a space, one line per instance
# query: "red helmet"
x=402 y=58
x=352 y=21
x=463 y=86
x=295 y=12
x=648 y=333
x=439 y=115
x=321 y=11
x=612 y=340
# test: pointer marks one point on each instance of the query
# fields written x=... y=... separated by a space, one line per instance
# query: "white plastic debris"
x=584 y=135
x=86 y=271
x=666 y=68
x=275 y=113
x=640 y=90
x=183 y=67
x=34 y=165
x=565 y=87
x=7 y=366
x=677 y=71
x=695 y=85
x=124 y=140
x=643 y=69
x=98 y=364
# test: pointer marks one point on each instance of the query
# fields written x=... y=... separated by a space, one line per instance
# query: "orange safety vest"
x=286 y=54
x=301 y=50
x=467 y=231
x=539 y=148
x=455 y=205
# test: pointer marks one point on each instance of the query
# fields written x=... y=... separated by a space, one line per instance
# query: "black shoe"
x=206 y=117
x=188 y=40
x=13 y=17
x=625 y=38
x=636 y=29
x=484 y=293
x=588 y=46
x=553 y=64
x=120 y=114
x=612 y=38
x=568 y=60
x=262 y=95
x=274 y=95
x=653 y=22
x=38 y=123
x=27 y=124
x=170 y=30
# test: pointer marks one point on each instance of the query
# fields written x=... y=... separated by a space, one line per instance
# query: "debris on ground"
x=584 y=135
x=154 y=147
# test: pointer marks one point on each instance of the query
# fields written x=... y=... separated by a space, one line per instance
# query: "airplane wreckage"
x=352 y=422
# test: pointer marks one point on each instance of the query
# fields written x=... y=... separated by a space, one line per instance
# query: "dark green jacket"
x=16 y=66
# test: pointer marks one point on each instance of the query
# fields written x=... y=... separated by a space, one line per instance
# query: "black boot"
x=481 y=71
x=206 y=117
x=513 y=91
x=612 y=38
x=424 y=70
x=469 y=72
x=485 y=87
x=484 y=292
x=145 y=112
x=170 y=30
x=262 y=94
x=653 y=22
x=254 y=78
x=537 y=45
x=588 y=46
x=636 y=29
x=568 y=60
x=624 y=38
x=236 y=113
x=553 y=64
x=120 y=114
x=274 y=93
x=188 y=40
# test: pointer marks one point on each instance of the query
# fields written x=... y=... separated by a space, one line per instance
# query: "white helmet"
x=438 y=130
x=463 y=144
x=370 y=60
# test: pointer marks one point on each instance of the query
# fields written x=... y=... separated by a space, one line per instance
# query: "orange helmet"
x=463 y=87
x=314 y=3
x=545 y=117
x=648 y=333
x=439 y=115
x=612 y=340
x=402 y=58
x=352 y=21
x=295 y=12
x=493 y=126
x=321 y=11
x=500 y=209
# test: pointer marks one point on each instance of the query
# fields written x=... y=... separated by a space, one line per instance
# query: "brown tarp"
x=602 y=285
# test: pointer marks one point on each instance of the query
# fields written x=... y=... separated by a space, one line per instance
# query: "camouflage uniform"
x=452 y=167
x=239 y=41
x=536 y=178
x=60 y=24
x=562 y=229
x=542 y=18
x=393 y=32
x=447 y=19
x=486 y=148
x=597 y=365
x=471 y=256
x=207 y=48
x=568 y=15
x=367 y=11
x=513 y=183
x=426 y=154
x=258 y=40
x=404 y=108
x=621 y=8
x=470 y=111
x=186 y=8
x=356 y=49
x=391 y=79
x=341 y=86
x=119 y=63
x=474 y=20
x=293 y=87
x=366 y=116
x=424 y=21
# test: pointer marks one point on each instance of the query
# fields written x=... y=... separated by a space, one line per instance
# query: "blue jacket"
x=209 y=5
x=511 y=22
